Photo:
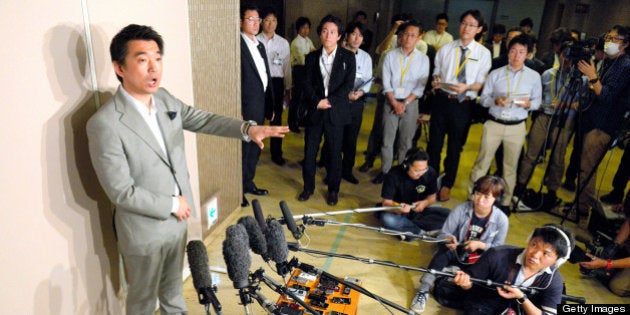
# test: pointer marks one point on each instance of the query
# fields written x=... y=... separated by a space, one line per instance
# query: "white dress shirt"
x=278 y=57
x=477 y=66
x=258 y=59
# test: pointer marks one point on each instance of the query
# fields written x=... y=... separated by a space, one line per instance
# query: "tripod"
x=555 y=123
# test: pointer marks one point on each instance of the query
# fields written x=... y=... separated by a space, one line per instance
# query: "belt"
x=451 y=96
x=505 y=122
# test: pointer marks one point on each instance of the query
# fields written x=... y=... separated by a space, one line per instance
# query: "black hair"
x=441 y=16
x=622 y=31
x=526 y=22
x=416 y=155
x=476 y=14
x=403 y=27
x=552 y=234
x=353 y=26
x=559 y=35
x=567 y=43
x=360 y=13
x=249 y=7
x=498 y=29
x=522 y=39
x=118 y=49
x=301 y=21
x=490 y=185
x=330 y=19
x=267 y=11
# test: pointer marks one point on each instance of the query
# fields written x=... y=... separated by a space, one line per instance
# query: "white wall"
x=57 y=251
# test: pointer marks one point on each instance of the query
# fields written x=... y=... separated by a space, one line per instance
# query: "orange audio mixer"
x=322 y=293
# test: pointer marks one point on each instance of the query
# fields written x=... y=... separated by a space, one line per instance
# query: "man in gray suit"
x=136 y=143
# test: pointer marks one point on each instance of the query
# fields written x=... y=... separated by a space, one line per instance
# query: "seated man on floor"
x=413 y=186
x=534 y=267
x=474 y=227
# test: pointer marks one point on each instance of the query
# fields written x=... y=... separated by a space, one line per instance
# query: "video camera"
x=579 y=50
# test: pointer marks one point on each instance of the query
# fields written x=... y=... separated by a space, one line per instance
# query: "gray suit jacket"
x=134 y=171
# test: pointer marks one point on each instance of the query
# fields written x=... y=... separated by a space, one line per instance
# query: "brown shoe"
x=445 y=194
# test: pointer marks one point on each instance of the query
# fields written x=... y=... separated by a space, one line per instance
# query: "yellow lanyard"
x=507 y=78
x=460 y=67
x=403 y=71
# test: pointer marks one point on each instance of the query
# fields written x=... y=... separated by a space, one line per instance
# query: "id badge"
x=399 y=92
x=505 y=115
x=277 y=61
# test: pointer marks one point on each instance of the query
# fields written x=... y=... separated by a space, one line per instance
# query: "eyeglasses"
x=270 y=20
x=252 y=19
x=462 y=24
x=410 y=34
x=614 y=39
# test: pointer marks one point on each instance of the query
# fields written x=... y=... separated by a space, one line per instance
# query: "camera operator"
x=619 y=284
x=602 y=120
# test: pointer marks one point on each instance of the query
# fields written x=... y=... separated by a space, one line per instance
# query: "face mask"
x=611 y=49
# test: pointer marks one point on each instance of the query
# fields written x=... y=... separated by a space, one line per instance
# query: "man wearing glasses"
x=256 y=94
x=460 y=70
x=412 y=185
x=604 y=118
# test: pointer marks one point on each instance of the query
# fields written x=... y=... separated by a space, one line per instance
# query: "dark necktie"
x=461 y=76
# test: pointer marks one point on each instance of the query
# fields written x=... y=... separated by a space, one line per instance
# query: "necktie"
x=461 y=76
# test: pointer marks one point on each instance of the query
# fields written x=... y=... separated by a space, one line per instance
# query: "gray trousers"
x=405 y=125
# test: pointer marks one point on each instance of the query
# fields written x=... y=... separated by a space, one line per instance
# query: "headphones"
x=496 y=181
x=414 y=154
x=566 y=238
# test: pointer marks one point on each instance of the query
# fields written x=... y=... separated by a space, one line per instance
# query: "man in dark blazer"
x=330 y=74
x=256 y=93
x=136 y=143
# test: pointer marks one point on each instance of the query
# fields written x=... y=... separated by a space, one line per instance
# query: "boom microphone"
x=198 y=263
x=236 y=255
x=257 y=241
x=258 y=214
x=277 y=247
x=290 y=222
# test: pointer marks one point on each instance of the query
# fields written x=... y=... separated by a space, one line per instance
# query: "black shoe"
x=506 y=210
x=365 y=167
x=379 y=178
x=279 y=160
x=612 y=199
x=350 y=179
x=569 y=185
x=258 y=192
x=245 y=203
x=305 y=195
x=333 y=198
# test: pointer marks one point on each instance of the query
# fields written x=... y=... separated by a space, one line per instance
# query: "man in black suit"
x=256 y=93
x=329 y=78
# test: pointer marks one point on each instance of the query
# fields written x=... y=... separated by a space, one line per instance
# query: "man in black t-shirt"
x=413 y=186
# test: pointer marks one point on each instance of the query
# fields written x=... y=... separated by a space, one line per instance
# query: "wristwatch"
x=245 y=129
x=593 y=81
x=522 y=299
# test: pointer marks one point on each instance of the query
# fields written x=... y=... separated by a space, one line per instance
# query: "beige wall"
x=58 y=255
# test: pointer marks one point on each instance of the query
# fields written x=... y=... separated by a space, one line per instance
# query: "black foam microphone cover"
x=277 y=246
x=258 y=214
x=288 y=219
x=257 y=241
x=236 y=255
x=198 y=263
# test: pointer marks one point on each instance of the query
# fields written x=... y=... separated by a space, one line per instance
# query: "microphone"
x=290 y=222
x=258 y=214
x=257 y=241
x=277 y=247
x=198 y=263
x=236 y=255
x=312 y=221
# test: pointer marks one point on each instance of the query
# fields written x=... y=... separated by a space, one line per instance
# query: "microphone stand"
x=308 y=220
x=208 y=297
x=332 y=213
x=295 y=247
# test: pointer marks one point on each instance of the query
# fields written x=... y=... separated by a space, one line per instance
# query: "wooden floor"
x=391 y=283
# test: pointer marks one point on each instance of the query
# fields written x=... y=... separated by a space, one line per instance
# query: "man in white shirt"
x=277 y=49
x=463 y=65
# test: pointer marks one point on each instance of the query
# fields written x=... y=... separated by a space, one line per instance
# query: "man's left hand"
x=508 y=292
x=260 y=133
